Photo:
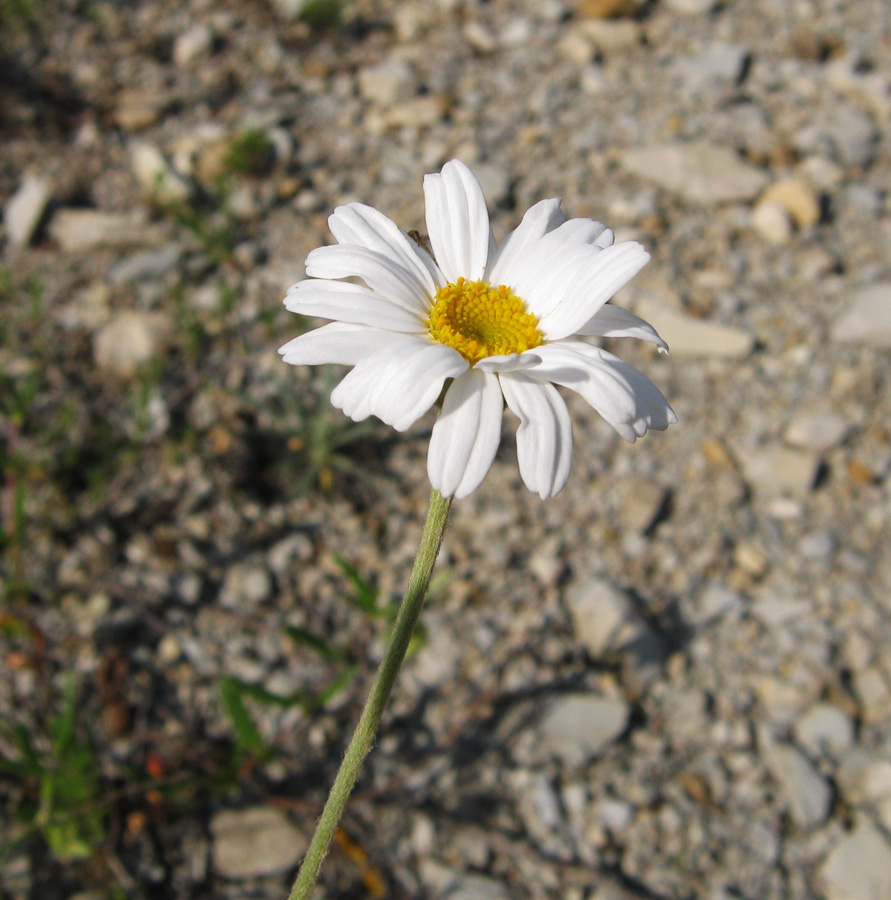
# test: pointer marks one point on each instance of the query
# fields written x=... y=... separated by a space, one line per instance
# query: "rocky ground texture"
x=672 y=681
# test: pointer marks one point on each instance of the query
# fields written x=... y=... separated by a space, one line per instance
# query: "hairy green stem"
x=363 y=738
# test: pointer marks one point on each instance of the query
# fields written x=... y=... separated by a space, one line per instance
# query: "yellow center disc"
x=480 y=321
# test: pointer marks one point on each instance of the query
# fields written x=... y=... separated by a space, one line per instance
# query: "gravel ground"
x=669 y=682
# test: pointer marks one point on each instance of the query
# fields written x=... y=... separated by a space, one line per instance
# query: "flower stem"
x=363 y=738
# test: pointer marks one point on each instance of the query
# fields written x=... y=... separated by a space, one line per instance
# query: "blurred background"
x=671 y=681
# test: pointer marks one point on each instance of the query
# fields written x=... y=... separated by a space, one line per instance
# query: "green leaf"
x=247 y=735
x=334 y=688
x=366 y=597
x=313 y=642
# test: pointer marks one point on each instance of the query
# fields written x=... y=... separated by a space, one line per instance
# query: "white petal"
x=549 y=272
x=613 y=321
x=466 y=435
x=626 y=398
x=544 y=438
x=354 y=303
x=541 y=218
x=367 y=227
x=583 y=231
x=384 y=275
x=605 y=239
x=510 y=362
x=399 y=383
x=457 y=222
x=604 y=274
x=335 y=343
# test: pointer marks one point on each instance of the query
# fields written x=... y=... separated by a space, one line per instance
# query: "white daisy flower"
x=497 y=323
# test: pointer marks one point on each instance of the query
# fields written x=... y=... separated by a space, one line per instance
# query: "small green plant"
x=250 y=153
x=345 y=667
x=61 y=784
x=215 y=229
x=18 y=12
x=323 y=15
x=16 y=398
x=323 y=438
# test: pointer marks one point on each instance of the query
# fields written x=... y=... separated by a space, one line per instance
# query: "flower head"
x=501 y=323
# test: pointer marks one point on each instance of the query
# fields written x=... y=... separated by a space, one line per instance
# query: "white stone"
x=253 y=842
x=593 y=81
x=858 y=867
x=772 y=221
x=877 y=780
x=517 y=31
x=25 y=209
x=691 y=7
x=698 y=172
x=156 y=176
x=479 y=37
x=825 y=728
x=817 y=431
x=387 y=82
x=578 y=727
x=612 y=35
x=867 y=319
x=689 y=336
x=130 y=339
x=191 y=44
x=780 y=470
x=575 y=47
x=78 y=230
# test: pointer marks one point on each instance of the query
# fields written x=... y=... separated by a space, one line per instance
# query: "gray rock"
x=476 y=887
x=578 y=727
x=867 y=320
x=721 y=63
x=806 y=791
x=853 y=773
x=494 y=180
x=772 y=610
x=138 y=108
x=129 y=340
x=25 y=209
x=825 y=729
x=688 y=336
x=245 y=585
x=858 y=867
x=148 y=265
x=614 y=815
x=605 y=621
x=249 y=843
x=817 y=431
x=853 y=134
x=640 y=503
x=700 y=173
x=818 y=545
